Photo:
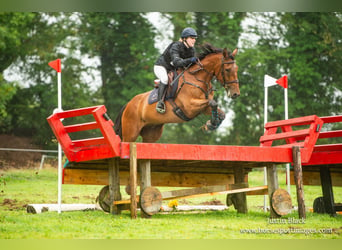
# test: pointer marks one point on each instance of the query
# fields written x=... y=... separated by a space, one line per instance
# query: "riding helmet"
x=188 y=32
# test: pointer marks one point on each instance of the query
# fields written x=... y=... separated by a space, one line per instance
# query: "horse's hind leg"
x=130 y=132
x=130 y=126
x=151 y=133
x=132 y=136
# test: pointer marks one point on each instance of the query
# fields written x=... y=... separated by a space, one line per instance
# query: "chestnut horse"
x=194 y=96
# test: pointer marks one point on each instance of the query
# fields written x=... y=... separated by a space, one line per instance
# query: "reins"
x=209 y=89
x=206 y=93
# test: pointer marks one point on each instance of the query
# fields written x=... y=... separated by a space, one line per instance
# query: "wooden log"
x=240 y=198
x=200 y=191
x=194 y=208
x=40 y=208
x=328 y=194
x=318 y=205
x=230 y=191
x=258 y=192
x=272 y=181
x=145 y=181
x=114 y=185
x=133 y=178
x=104 y=199
x=150 y=200
x=298 y=178
x=281 y=202
x=190 y=193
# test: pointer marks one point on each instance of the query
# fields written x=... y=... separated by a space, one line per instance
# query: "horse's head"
x=228 y=74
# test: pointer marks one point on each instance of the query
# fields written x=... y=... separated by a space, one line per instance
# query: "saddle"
x=170 y=92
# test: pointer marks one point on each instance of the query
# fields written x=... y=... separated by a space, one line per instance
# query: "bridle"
x=209 y=90
x=225 y=83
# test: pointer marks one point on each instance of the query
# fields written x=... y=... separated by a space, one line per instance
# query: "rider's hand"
x=194 y=59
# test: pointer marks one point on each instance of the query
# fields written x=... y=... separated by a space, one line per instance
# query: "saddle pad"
x=153 y=97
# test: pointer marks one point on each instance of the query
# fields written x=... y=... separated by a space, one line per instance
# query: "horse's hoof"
x=204 y=128
x=210 y=126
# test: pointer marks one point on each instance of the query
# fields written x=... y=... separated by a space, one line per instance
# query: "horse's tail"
x=118 y=124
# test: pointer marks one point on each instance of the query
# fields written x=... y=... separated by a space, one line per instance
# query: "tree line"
x=305 y=46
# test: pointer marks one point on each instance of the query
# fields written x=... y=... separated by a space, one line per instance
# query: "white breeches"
x=161 y=74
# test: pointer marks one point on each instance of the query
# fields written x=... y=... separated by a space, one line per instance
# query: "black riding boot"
x=161 y=94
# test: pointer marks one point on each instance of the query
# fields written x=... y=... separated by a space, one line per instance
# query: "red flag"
x=283 y=82
x=56 y=65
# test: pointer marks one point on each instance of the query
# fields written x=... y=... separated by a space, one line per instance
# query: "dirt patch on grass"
x=12 y=204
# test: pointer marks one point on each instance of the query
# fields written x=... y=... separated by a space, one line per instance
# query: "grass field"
x=19 y=187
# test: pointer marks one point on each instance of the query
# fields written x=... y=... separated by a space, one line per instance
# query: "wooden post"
x=240 y=198
x=328 y=194
x=145 y=179
x=272 y=182
x=133 y=178
x=298 y=178
x=114 y=185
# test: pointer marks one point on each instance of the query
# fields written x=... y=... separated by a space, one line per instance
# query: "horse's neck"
x=208 y=68
x=212 y=63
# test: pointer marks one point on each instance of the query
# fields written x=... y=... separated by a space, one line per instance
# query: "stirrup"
x=161 y=109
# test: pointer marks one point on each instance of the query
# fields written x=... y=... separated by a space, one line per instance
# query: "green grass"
x=25 y=186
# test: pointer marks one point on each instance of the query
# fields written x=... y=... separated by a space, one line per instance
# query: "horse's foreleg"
x=217 y=116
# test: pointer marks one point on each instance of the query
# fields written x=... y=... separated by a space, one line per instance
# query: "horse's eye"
x=228 y=70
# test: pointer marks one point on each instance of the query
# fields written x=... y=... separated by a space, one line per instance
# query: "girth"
x=179 y=112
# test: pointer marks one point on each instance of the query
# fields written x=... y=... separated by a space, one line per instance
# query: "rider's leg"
x=161 y=95
x=161 y=73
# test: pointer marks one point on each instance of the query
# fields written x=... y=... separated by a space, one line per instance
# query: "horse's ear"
x=235 y=52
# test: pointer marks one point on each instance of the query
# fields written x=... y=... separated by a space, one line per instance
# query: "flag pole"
x=286 y=118
x=59 y=146
x=56 y=65
x=265 y=121
x=284 y=83
x=268 y=82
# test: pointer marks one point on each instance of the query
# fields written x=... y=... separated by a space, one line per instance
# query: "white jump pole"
x=287 y=117
x=268 y=82
x=56 y=65
x=265 y=121
x=59 y=148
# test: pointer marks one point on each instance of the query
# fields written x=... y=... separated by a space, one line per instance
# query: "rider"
x=178 y=54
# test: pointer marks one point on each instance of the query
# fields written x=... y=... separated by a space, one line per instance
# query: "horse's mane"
x=207 y=49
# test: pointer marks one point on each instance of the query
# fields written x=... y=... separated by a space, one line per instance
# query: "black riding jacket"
x=176 y=55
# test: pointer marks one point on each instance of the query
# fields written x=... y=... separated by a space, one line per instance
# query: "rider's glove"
x=194 y=59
